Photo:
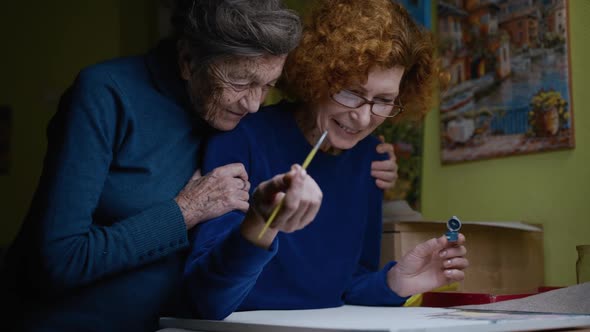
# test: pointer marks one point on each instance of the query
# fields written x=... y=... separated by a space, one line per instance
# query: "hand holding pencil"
x=306 y=162
x=287 y=202
x=301 y=198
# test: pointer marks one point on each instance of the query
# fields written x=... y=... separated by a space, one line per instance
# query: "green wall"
x=552 y=189
x=44 y=45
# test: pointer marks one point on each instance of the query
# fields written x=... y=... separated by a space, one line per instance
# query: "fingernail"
x=448 y=262
x=443 y=253
x=448 y=272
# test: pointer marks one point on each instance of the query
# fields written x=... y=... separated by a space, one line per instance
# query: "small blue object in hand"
x=453 y=226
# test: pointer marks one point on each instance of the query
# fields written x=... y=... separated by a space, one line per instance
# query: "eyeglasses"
x=351 y=100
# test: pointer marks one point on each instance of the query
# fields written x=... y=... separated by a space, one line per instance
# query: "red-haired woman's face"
x=346 y=126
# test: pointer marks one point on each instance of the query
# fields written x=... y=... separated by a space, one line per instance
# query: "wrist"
x=184 y=209
x=251 y=227
x=394 y=282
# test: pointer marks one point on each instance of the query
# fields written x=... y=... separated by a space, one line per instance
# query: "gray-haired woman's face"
x=240 y=88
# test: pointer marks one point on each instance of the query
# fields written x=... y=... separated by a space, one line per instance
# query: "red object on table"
x=451 y=299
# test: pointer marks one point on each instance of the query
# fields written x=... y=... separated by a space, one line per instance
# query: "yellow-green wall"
x=552 y=189
x=44 y=45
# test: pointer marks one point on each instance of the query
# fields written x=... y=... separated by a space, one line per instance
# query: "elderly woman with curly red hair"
x=359 y=63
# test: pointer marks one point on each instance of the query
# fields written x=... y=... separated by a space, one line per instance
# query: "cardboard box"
x=504 y=257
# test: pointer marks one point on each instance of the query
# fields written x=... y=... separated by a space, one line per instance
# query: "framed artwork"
x=509 y=88
x=5 y=132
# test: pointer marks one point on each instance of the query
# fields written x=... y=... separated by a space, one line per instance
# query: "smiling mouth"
x=236 y=114
x=347 y=129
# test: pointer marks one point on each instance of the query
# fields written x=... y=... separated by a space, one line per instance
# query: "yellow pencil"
x=306 y=162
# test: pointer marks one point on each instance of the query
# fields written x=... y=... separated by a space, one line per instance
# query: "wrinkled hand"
x=429 y=265
x=220 y=191
x=385 y=171
x=301 y=197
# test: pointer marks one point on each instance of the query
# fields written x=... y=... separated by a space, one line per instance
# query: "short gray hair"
x=219 y=28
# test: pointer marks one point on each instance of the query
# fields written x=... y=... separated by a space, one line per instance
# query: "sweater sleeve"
x=223 y=266
x=82 y=138
x=369 y=283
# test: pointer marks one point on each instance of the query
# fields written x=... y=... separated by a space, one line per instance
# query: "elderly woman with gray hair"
x=103 y=245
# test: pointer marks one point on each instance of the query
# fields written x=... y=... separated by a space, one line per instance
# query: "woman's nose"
x=362 y=114
x=252 y=99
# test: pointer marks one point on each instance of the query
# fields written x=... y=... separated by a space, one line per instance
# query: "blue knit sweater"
x=334 y=260
x=101 y=248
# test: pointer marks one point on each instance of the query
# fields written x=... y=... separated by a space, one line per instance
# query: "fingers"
x=454 y=275
x=445 y=242
x=385 y=175
x=292 y=201
x=382 y=184
x=246 y=186
x=239 y=198
x=267 y=190
x=304 y=215
x=426 y=249
x=236 y=170
x=241 y=205
x=460 y=240
x=388 y=165
x=456 y=263
x=223 y=189
x=385 y=171
x=300 y=199
x=386 y=148
x=450 y=249
x=453 y=252
x=307 y=207
x=442 y=246
x=240 y=195
x=196 y=175
x=240 y=184
x=294 y=222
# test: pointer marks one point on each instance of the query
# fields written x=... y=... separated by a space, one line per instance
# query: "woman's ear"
x=184 y=60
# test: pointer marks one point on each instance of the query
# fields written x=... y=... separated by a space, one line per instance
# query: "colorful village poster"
x=509 y=69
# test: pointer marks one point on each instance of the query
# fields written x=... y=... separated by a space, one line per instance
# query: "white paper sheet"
x=359 y=318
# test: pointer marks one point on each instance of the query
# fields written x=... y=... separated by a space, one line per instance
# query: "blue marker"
x=453 y=226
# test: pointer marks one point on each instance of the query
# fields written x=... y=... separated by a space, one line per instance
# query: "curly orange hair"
x=344 y=39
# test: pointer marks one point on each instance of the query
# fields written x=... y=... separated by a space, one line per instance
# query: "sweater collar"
x=162 y=65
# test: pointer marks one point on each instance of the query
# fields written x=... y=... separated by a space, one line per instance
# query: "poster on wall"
x=5 y=131
x=510 y=80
